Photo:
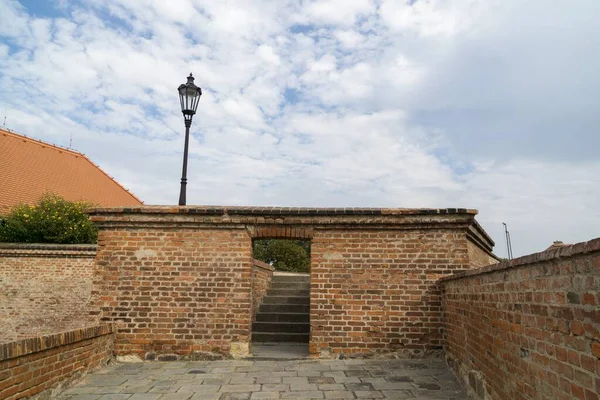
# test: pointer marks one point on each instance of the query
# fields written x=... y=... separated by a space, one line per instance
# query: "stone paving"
x=256 y=379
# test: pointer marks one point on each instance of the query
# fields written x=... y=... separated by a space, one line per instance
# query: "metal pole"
x=188 y=123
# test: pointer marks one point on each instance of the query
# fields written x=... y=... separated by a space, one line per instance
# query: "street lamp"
x=189 y=95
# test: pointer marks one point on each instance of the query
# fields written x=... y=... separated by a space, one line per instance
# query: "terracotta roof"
x=30 y=168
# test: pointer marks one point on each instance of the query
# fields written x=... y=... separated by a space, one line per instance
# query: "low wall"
x=178 y=280
x=262 y=274
x=44 y=288
x=527 y=328
x=175 y=293
x=43 y=366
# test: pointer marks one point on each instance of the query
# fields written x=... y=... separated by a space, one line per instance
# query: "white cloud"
x=428 y=103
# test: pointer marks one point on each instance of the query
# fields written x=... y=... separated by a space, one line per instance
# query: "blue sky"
x=489 y=104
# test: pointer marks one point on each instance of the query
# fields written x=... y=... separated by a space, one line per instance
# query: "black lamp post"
x=189 y=95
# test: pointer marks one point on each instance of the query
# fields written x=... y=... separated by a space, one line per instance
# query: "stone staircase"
x=284 y=314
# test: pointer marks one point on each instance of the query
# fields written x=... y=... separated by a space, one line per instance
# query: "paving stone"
x=302 y=395
x=303 y=387
x=115 y=396
x=378 y=379
x=309 y=373
x=275 y=387
x=428 y=386
x=398 y=394
x=332 y=386
x=176 y=396
x=352 y=379
x=268 y=379
x=359 y=374
x=400 y=379
x=83 y=396
x=199 y=389
x=80 y=390
x=102 y=380
x=321 y=379
x=242 y=381
x=392 y=386
x=338 y=394
x=235 y=396
x=239 y=388
x=163 y=389
x=265 y=395
x=145 y=396
x=110 y=390
x=359 y=386
x=369 y=394
x=206 y=396
x=295 y=379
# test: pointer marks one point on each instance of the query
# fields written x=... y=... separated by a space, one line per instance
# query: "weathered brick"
x=553 y=351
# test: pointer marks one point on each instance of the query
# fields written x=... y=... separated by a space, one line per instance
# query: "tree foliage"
x=283 y=254
x=52 y=220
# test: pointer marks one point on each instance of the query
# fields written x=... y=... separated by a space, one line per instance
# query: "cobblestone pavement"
x=247 y=379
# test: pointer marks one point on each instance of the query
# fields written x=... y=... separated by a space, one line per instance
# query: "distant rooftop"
x=30 y=168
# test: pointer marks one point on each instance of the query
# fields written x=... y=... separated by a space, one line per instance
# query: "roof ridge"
x=40 y=142
x=73 y=152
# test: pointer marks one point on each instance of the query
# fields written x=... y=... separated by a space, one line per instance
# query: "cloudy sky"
x=486 y=104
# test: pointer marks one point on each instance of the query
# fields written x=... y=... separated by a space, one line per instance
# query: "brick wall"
x=44 y=289
x=262 y=273
x=175 y=292
x=377 y=291
x=528 y=328
x=479 y=257
x=178 y=280
x=43 y=366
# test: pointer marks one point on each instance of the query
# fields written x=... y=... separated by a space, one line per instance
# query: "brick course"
x=43 y=366
x=44 y=289
x=528 y=328
x=178 y=280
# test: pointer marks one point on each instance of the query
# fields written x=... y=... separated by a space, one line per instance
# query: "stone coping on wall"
x=47 y=250
x=302 y=220
x=548 y=255
x=262 y=265
x=27 y=346
x=278 y=211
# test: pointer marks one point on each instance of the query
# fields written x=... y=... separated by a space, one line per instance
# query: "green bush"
x=284 y=254
x=52 y=220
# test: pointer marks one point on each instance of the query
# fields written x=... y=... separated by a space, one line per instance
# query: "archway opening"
x=281 y=326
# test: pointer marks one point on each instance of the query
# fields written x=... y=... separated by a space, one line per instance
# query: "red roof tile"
x=30 y=168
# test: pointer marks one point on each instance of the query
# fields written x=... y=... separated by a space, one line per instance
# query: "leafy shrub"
x=52 y=220
x=284 y=254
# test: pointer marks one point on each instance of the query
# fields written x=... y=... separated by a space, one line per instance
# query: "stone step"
x=288 y=292
x=283 y=327
x=291 y=278
x=278 y=337
x=282 y=317
x=284 y=308
x=288 y=285
x=286 y=300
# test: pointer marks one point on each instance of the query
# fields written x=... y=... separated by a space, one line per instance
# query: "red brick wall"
x=178 y=280
x=44 y=289
x=377 y=291
x=175 y=292
x=46 y=365
x=262 y=273
x=528 y=328
x=478 y=257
